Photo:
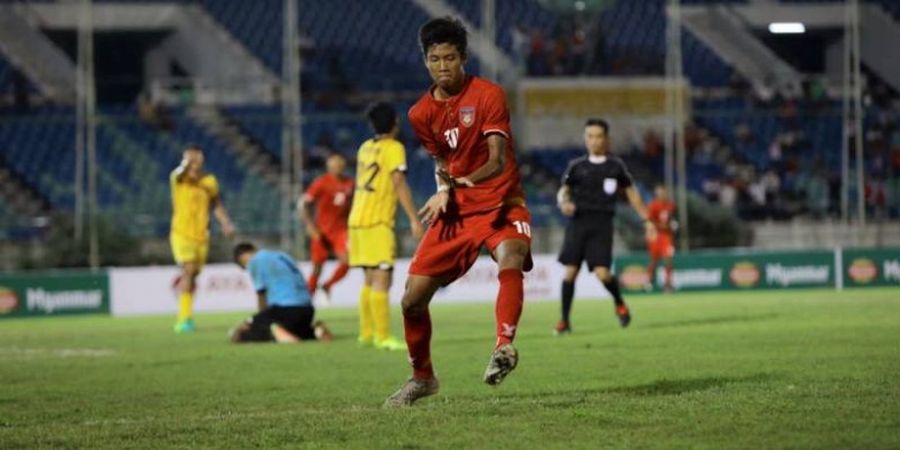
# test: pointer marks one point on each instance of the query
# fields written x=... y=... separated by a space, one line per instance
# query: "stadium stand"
x=738 y=141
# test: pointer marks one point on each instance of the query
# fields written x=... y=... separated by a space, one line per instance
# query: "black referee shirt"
x=594 y=186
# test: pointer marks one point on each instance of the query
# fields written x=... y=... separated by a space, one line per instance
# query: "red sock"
x=338 y=275
x=509 y=304
x=313 y=283
x=417 y=329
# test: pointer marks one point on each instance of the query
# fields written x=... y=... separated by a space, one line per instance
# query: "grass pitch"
x=807 y=369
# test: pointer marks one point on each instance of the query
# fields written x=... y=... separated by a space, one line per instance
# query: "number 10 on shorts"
x=523 y=227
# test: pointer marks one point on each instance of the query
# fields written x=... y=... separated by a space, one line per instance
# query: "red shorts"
x=661 y=247
x=452 y=244
x=333 y=242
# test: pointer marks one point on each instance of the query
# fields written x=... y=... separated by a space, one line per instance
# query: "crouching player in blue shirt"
x=285 y=307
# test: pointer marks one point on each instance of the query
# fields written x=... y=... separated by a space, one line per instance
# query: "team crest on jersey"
x=467 y=115
x=610 y=185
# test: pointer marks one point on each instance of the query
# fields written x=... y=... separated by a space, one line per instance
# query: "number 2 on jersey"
x=375 y=169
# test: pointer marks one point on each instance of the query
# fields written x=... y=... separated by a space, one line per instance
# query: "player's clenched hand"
x=416 y=230
x=313 y=232
x=650 y=230
x=567 y=208
x=228 y=229
x=434 y=207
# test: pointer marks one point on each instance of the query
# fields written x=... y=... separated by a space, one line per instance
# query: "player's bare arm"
x=437 y=204
x=404 y=196
x=493 y=166
x=222 y=216
x=634 y=198
x=304 y=206
x=564 y=201
x=261 y=301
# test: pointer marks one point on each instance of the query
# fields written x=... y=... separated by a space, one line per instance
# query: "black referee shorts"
x=296 y=319
x=588 y=238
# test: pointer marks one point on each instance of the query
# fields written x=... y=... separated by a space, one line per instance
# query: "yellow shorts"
x=188 y=251
x=373 y=247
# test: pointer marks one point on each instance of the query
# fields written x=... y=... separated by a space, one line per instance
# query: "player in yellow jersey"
x=194 y=194
x=380 y=184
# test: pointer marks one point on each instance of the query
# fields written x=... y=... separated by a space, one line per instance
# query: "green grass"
x=807 y=369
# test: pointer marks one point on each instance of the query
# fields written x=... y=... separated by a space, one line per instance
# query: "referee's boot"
x=624 y=315
x=562 y=328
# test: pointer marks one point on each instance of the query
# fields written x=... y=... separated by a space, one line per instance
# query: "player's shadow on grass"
x=658 y=388
x=717 y=320
x=686 y=385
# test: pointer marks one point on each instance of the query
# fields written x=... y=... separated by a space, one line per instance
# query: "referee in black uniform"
x=590 y=188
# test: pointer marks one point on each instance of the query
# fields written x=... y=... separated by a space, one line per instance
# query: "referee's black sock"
x=613 y=287
x=568 y=292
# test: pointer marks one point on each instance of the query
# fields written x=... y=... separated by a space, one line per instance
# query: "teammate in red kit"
x=330 y=194
x=661 y=212
x=463 y=122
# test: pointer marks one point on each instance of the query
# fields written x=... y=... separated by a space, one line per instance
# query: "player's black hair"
x=444 y=30
x=594 y=122
x=243 y=247
x=193 y=146
x=382 y=117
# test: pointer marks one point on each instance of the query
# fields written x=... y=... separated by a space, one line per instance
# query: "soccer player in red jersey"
x=661 y=213
x=463 y=122
x=330 y=194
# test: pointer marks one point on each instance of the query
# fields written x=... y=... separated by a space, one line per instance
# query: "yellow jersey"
x=191 y=202
x=374 y=199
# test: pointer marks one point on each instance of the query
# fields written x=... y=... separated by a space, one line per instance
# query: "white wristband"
x=443 y=188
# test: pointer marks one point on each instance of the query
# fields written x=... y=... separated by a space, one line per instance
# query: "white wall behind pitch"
x=225 y=287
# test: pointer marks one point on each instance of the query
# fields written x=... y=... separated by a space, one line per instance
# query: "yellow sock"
x=185 y=305
x=381 y=314
x=365 y=313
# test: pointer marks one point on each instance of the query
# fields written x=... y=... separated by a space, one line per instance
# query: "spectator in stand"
x=728 y=193
x=537 y=54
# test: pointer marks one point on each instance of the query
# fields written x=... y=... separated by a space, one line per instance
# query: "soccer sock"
x=381 y=314
x=365 y=313
x=613 y=287
x=568 y=292
x=185 y=305
x=313 y=283
x=417 y=330
x=668 y=276
x=509 y=304
x=338 y=275
x=651 y=271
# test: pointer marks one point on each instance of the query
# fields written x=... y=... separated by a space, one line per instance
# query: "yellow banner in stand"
x=606 y=99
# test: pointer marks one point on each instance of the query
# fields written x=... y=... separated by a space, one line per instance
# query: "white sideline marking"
x=219 y=417
x=57 y=352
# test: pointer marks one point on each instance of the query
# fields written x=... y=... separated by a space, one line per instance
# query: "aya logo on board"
x=862 y=270
x=634 y=276
x=744 y=274
x=9 y=301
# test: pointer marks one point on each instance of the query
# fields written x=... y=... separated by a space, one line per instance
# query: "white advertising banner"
x=225 y=287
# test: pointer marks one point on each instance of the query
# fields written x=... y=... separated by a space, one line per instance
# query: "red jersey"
x=456 y=131
x=660 y=214
x=331 y=195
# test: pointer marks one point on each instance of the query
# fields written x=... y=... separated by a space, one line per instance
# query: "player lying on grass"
x=285 y=307
x=463 y=122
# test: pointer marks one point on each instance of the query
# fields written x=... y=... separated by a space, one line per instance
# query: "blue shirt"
x=277 y=274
